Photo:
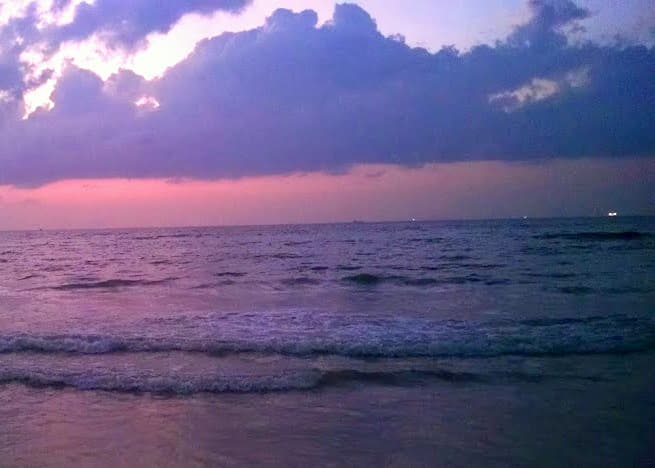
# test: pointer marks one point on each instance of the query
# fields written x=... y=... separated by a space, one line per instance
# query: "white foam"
x=381 y=338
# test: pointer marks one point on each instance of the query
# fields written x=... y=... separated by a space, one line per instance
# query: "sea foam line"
x=303 y=380
x=595 y=335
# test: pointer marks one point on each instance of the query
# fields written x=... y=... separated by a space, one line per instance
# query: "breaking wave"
x=300 y=380
x=381 y=338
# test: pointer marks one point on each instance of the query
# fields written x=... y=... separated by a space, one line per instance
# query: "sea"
x=526 y=342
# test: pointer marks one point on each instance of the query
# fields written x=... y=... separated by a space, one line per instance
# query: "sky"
x=198 y=112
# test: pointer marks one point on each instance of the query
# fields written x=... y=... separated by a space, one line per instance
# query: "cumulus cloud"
x=291 y=96
x=126 y=23
x=32 y=32
x=548 y=19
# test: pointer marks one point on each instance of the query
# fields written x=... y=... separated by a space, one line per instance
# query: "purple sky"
x=115 y=90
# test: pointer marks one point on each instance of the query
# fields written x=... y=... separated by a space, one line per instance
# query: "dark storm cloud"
x=292 y=97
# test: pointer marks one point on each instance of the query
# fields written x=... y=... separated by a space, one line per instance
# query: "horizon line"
x=320 y=223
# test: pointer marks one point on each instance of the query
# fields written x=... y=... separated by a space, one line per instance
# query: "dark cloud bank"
x=290 y=96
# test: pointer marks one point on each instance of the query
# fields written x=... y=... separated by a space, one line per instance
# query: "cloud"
x=536 y=90
x=14 y=35
x=33 y=32
x=539 y=89
x=548 y=17
x=291 y=96
x=487 y=189
x=126 y=23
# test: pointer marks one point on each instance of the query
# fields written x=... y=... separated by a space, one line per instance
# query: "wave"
x=227 y=282
x=554 y=275
x=454 y=258
x=597 y=235
x=134 y=383
x=576 y=290
x=300 y=380
x=585 y=290
x=427 y=240
x=368 y=279
x=540 y=322
x=278 y=256
x=349 y=267
x=378 y=339
x=295 y=243
x=420 y=281
x=109 y=284
x=300 y=281
x=232 y=274
x=28 y=277
x=169 y=236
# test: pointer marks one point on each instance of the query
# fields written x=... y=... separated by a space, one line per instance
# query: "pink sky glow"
x=367 y=192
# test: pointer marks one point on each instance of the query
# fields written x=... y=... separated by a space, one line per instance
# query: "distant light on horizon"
x=431 y=192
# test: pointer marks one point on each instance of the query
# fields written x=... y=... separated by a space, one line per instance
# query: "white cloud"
x=578 y=78
x=5 y=97
x=147 y=103
x=47 y=16
x=536 y=90
x=539 y=89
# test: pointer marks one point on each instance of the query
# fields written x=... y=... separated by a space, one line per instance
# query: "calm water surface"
x=526 y=342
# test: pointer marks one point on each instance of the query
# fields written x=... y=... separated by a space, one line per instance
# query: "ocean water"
x=495 y=343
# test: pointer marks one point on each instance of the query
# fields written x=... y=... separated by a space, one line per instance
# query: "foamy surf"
x=127 y=379
x=357 y=338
